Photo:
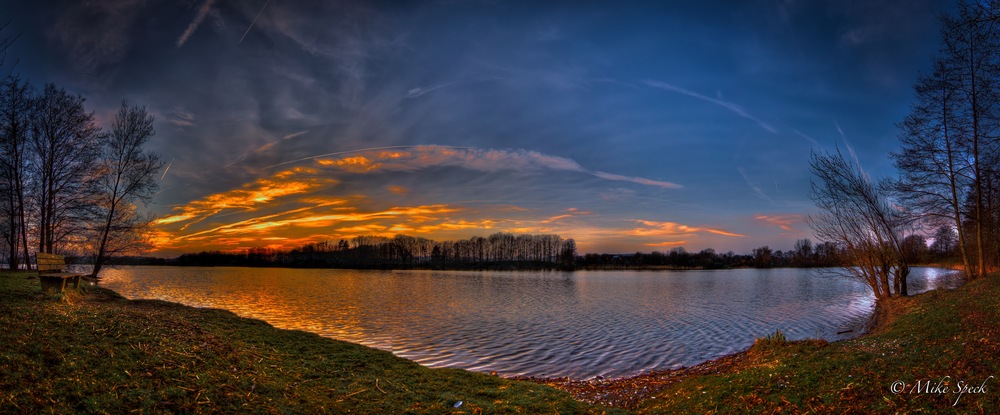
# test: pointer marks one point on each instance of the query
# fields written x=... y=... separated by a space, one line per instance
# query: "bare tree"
x=949 y=138
x=5 y=43
x=856 y=214
x=127 y=175
x=802 y=253
x=15 y=117
x=65 y=143
x=934 y=172
x=970 y=59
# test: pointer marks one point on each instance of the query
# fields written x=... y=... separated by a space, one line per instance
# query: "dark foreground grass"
x=100 y=353
x=927 y=351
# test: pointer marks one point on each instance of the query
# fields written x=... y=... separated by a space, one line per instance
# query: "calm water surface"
x=581 y=324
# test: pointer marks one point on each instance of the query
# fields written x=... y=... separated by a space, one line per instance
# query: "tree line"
x=497 y=251
x=804 y=254
x=509 y=251
x=948 y=159
x=67 y=185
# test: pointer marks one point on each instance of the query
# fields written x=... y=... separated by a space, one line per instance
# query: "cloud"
x=419 y=91
x=490 y=160
x=295 y=134
x=181 y=117
x=198 y=18
x=723 y=233
x=399 y=190
x=249 y=197
x=654 y=228
x=305 y=204
x=725 y=104
x=784 y=222
x=313 y=217
x=300 y=221
x=265 y=148
x=567 y=214
x=411 y=158
x=667 y=244
x=91 y=50
x=355 y=164
x=345 y=36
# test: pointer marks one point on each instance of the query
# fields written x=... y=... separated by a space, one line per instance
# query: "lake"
x=577 y=324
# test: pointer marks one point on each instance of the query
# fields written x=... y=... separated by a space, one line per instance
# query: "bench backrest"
x=49 y=262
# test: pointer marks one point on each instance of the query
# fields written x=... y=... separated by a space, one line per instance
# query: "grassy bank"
x=951 y=338
x=100 y=353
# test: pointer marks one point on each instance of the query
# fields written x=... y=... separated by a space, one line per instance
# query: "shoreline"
x=858 y=328
x=629 y=392
x=620 y=392
x=651 y=268
x=95 y=351
x=623 y=392
x=783 y=374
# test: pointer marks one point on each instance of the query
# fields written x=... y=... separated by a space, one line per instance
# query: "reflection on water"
x=581 y=324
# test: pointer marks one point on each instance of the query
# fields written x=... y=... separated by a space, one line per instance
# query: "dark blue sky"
x=628 y=127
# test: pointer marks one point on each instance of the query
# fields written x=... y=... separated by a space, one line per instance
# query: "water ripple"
x=579 y=325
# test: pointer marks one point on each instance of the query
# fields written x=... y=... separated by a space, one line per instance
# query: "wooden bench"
x=50 y=272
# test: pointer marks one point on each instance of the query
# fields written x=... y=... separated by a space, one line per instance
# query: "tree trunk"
x=102 y=247
x=896 y=284
x=884 y=275
x=24 y=226
x=976 y=171
x=957 y=215
x=901 y=275
x=12 y=237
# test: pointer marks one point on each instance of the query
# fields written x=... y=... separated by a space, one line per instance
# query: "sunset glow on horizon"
x=627 y=128
x=293 y=207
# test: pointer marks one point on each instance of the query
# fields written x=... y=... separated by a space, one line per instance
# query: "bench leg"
x=50 y=284
x=58 y=284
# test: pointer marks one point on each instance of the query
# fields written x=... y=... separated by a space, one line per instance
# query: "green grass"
x=942 y=335
x=100 y=353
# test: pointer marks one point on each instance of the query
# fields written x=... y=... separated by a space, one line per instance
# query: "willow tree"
x=856 y=214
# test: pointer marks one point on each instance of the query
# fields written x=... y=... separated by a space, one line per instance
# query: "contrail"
x=198 y=18
x=254 y=21
x=738 y=110
x=756 y=190
x=166 y=169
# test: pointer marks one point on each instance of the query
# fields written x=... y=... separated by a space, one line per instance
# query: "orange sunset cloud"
x=784 y=222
